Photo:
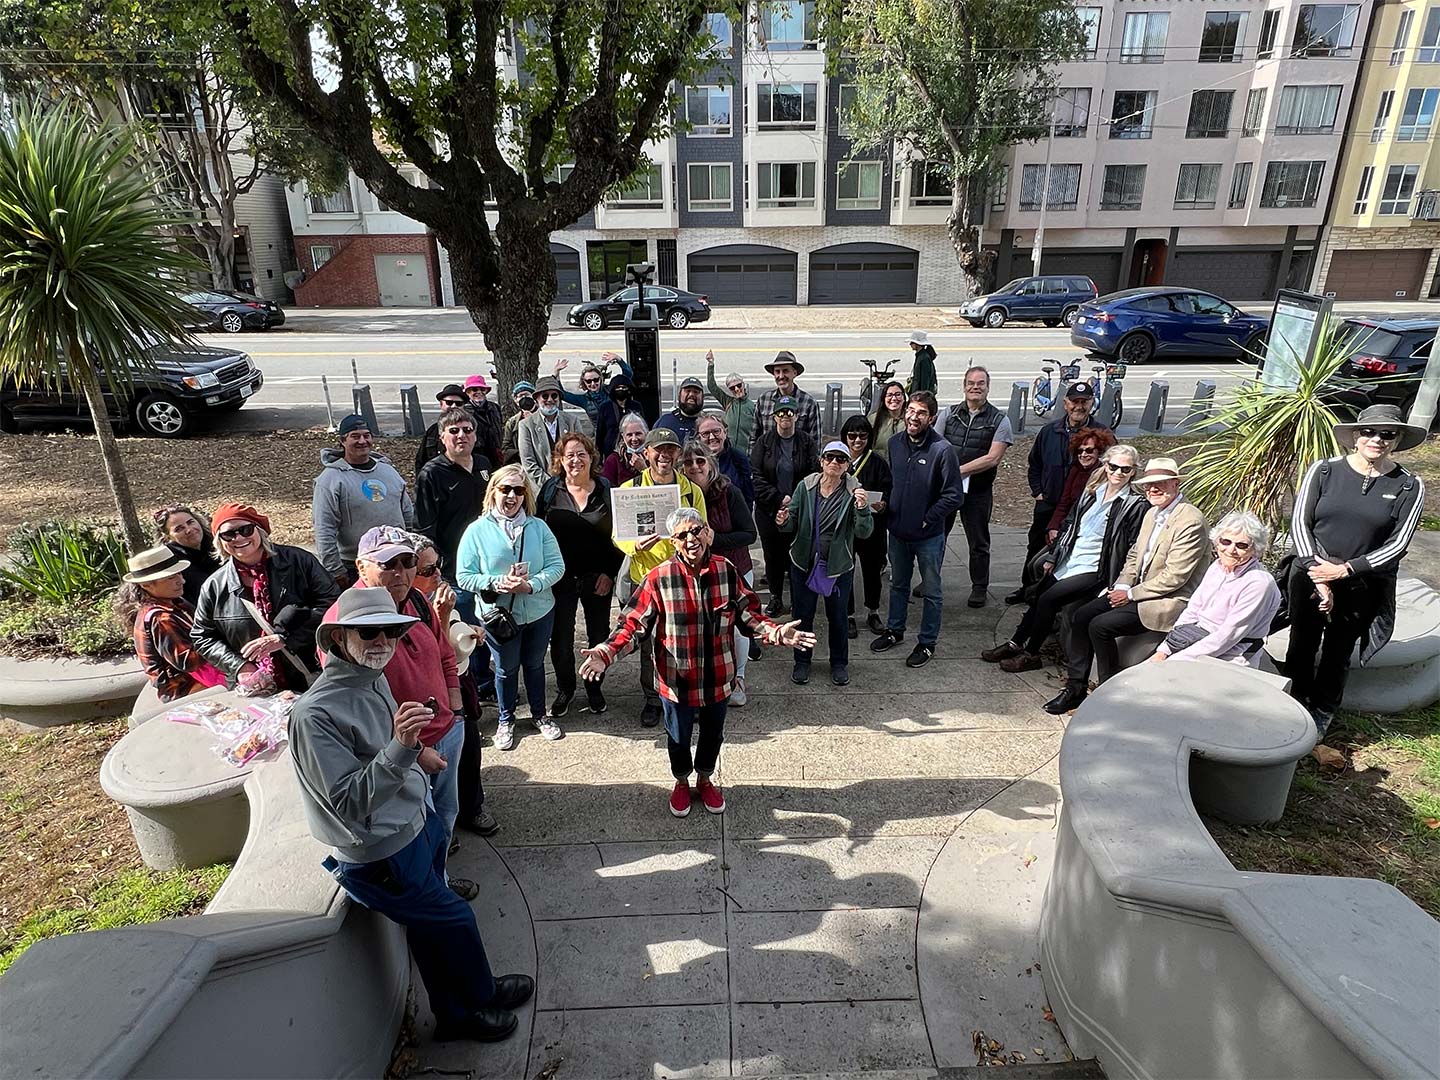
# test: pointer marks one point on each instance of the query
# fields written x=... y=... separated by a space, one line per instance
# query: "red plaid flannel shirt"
x=691 y=614
x=162 y=643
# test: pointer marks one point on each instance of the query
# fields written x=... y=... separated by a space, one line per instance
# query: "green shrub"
x=31 y=628
x=64 y=561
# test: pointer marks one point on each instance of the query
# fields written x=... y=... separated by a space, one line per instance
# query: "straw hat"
x=1158 y=469
x=153 y=564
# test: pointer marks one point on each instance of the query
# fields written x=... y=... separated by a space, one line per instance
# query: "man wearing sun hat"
x=356 y=754
x=785 y=369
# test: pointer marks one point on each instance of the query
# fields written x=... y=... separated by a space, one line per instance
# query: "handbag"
x=499 y=624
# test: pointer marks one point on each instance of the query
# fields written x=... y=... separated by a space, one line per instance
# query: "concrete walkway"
x=867 y=902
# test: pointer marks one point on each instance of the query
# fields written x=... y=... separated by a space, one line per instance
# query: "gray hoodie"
x=349 y=502
x=364 y=793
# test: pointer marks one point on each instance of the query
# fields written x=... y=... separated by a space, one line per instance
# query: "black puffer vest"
x=971 y=434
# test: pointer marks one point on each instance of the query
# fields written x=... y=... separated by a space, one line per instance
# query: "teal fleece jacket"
x=486 y=555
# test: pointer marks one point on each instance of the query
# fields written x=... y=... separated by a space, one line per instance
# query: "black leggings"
x=1051 y=596
x=562 y=638
x=1317 y=659
x=776 y=546
x=870 y=555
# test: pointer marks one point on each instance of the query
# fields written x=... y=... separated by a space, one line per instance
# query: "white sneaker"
x=505 y=736
x=550 y=729
x=737 y=695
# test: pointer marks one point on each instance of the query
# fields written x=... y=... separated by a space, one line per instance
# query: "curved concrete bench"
x=186 y=805
x=1161 y=959
x=1405 y=674
x=48 y=693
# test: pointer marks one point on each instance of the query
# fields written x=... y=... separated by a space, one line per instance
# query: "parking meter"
x=642 y=350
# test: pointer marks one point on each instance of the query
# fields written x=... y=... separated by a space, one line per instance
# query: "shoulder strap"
x=422 y=608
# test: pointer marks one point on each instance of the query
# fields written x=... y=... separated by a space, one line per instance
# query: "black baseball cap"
x=1079 y=390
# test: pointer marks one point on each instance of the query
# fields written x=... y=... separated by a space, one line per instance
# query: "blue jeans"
x=904 y=554
x=479 y=658
x=680 y=724
x=837 y=605
x=445 y=785
x=525 y=650
x=409 y=887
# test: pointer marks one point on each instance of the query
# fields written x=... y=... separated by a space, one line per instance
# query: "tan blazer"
x=535 y=445
x=1181 y=556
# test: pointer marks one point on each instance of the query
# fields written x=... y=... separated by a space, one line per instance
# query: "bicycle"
x=1044 y=392
x=881 y=372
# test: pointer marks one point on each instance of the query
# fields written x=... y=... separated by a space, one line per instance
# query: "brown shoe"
x=1001 y=652
x=1024 y=662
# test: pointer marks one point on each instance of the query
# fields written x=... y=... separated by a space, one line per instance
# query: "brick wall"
x=348 y=279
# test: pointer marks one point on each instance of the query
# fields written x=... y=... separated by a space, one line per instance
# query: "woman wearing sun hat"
x=152 y=602
x=1353 y=520
x=922 y=374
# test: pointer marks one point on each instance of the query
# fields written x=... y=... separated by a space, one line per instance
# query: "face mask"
x=549 y=410
x=527 y=404
x=620 y=393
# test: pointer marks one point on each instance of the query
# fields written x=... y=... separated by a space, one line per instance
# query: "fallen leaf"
x=1329 y=757
x=1432 y=823
x=1049 y=1015
x=1028 y=860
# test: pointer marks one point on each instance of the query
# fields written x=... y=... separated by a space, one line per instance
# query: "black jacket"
x=300 y=591
x=1121 y=529
x=447 y=499
x=765 y=465
x=874 y=475
x=1050 y=458
x=203 y=563
x=587 y=549
x=925 y=486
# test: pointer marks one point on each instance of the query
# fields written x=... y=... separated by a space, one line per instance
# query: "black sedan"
x=1385 y=361
x=162 y=400
x=234 y=311
x=677 y=308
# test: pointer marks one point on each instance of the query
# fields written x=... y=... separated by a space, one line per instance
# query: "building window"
x=1143 y=41
x=1254 y=112
x=1239 y=185
x=1362 y=194
x=1399 y=190
x=1430 y=39
x=857 y=185
x=708 y=109
x=1307 y=110
x=320 y=254
x=1000 y=190
x=1382 y=115
x=717 y=25
x=1223 y=38
x=1269 y=27
x=1209 y=114
x=930 y=183
x=1402 y=39
x=643 y=191
x=1064 y=187
x=1072 y=112
x=786 y=184
x=845 y=97
x=1325 y=30
x=1132 y=114
x=1291 y=185
x=1090 y=27
x=341 y=202
x=788 y=25
x=1417 y=118
x=708 y=186
x=785 y=105
x=1124 y=187
x=1196 y=187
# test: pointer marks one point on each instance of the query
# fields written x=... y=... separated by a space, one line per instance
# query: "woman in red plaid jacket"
x=691 y=604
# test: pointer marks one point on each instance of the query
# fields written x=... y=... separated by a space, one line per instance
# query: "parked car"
x=1388 y=354
x=1052 y=299
x=676 y=307
x=1134 y=325
x=234 y=311
x=162 y=401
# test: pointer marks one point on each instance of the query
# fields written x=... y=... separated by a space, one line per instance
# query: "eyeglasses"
x=976 y=385
x=370 y=633
x=686 y=535
x=405 y=561
x=1089 y=450
x=1238 y=545
x=917 y=414
x=579 y=456
x=1119 y=468
x=237 y=533
x=713 y=435
x=428 y=571
x=457 y=430
x=843 y=459
x=506 y=489
x=781 y=413
x=1376 y=433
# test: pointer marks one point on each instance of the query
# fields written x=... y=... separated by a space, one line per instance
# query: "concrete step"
x=1043 y=1070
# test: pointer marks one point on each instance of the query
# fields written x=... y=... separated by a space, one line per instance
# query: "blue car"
x=1053 y=299
x=1135 y=324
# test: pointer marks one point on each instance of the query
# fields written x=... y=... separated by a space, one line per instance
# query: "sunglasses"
x=370 y=633
x=548 y=396
x=735 y=388
x=506 y=489
x=857 y=435
x=428 y=571
x=454 y=403
x=237 y=533
x=1238 y=545
x=1385 y=435
x=406 y=561
x=460 y=431
x=842 y=458
x=1119 y=468
x=686 y=535
x=1089 y=450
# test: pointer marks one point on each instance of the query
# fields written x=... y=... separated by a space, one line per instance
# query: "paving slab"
x=950 y=672
x=582 y=813
x=897 y=711
x=810 y=809
x=575 y=881
x=589 y=757
x=628 y=1043
x=1031 y=803
x=822 y=956
x=868 y=755
x=839 y=1037
x=808 y=875
x=600 y=963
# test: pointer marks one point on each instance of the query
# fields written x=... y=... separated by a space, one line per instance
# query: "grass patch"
x=1378 y=817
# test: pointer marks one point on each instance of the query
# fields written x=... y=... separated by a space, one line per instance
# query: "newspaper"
x=640 y=512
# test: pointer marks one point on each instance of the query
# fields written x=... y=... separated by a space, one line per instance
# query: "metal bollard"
x=1107 y=402
x=1019 y=405
x=834 y=406
x=354 y=373
x=674 y=383
x=329 y=407
x=410 y=410
x=1152 y=420
x=1202 y=405
x=366 y=407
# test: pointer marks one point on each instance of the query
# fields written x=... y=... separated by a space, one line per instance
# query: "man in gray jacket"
x=356 y=757
x=357 y=490
x=542 y=429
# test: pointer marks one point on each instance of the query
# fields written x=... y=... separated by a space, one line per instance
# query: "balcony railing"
x=1427 y=206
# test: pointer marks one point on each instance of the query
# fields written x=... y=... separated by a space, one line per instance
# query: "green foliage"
x=85 y=629
x=61 y=561
x=131 y=898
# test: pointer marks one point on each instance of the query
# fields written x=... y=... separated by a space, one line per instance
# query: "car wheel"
x=593 y=320
x=1051 y=322
x=975 y=323
x=1254 y=346
x=995 y=318
x=1135 y=349
x=162 y=416
x=1071 y=314
x=678 y=319
x=231 y=323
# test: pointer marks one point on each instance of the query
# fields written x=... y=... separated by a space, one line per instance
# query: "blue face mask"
x=548 y=411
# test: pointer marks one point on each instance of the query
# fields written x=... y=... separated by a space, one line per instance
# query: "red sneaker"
x=680 y=798
x=710 y=796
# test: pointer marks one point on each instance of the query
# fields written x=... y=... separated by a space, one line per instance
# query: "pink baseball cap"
x=476 y=382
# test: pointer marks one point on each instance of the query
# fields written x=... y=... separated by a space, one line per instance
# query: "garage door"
x=1101 y=267
x=1377 y=275
x=567 y=274
x=1235 y=275
x=863 y=274
x=404 y=280
x=744 y=274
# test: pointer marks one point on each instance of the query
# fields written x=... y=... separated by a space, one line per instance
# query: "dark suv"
x=1051 y=299
x=162 y=401
x=1387 y=357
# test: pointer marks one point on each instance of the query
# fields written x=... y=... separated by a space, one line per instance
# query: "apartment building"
x=1383 y=241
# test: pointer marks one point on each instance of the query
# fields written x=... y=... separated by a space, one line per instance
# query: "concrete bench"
x=1160 y=958
x=1405 y=674
x=48 y=693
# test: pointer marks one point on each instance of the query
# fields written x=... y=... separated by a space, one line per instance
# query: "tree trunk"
x=219 y=254
x=136 y=539
x=976 y=263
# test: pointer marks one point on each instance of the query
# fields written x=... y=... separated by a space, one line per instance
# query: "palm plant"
x=88 y=276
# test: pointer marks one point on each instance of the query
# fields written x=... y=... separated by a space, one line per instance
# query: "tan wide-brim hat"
x=1158 y=469
x=154 y=564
